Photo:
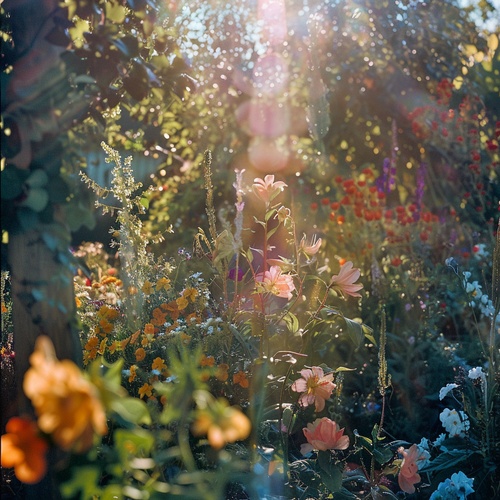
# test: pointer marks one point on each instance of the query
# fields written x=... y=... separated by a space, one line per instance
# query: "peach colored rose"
x=24 y=450
x=408 y=475
x=66 y=403
x=316 y=387
x=324 y=434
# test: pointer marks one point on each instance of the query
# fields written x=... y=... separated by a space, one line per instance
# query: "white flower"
x=443 y=392
x=476 y=373
x=438 y=443
x=455 y=423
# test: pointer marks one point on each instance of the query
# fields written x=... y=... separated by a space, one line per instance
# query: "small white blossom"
x=443 y=392
x=455 y=423
x=476 y=373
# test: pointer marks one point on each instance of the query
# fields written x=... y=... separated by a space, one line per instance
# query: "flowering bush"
x=223 y=372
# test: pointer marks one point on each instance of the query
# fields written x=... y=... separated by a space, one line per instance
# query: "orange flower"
x=241 y=378
x=344 y=281
x=133 y=373
x=23 y=450
x=106 y=326
x=408 y=475
x=221 y=423
x=78 y=304
x=146 y=390
x=67 y=404
x=324 y=434
x=159 y=317
x=158 y=364
x=207 y=360
x=134 y=337
x=113 y=347
x=140 y=354
x=222 y=372
x=5 y=310
x=149 y=329
x=316 y=387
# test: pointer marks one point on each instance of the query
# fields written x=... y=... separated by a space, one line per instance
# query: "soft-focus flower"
x=459 y=486
x=147 y=288
x=275 y=282
x=67 y=404
x=443 y=392
x=408 y=475
x=222 y=372
x=149 y=329
x=344 y=282
x=24 y=450
x=324 y=434
x=316 y=387
x=455 y=422
x=267 y=189
x=221 y=423
x=310 y=249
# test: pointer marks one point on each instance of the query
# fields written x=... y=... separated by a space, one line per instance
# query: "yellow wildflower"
x=146 y=390
x=163 y=284
x=147 y=288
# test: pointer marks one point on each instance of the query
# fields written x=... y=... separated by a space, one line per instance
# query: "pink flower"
x=267 y=189
x=344 y=281
x=316 y=387
x=324 y=434
x=312 y=248
x=408 y=475
x=275 y=282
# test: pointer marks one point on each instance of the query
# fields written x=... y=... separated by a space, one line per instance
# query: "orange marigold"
x=158 y=364
x=146 y=390
x=24 y=450
x=67 y=404
x=149 y=329
x=140 y=354
x=241 y=379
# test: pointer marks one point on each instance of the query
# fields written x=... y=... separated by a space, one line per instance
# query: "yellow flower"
x=147 y=288
x=190 y=293
x=67 y=404
x=182 y=303
x=78 y=303
x=163 y=283
x=24 y=450
x=146 y=390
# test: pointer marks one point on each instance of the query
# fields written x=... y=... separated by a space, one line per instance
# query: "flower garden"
x=280 y=309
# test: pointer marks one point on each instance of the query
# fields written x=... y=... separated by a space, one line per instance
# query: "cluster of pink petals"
x=408 y=475
x=315 y=386
x=324 y=434
x=275 y=282
x=311 y=248
x=267 y=189
x=344 y=282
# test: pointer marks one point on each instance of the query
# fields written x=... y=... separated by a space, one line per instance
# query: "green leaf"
x=83 y=483
x=112 y=492
x=331 y=473
x=354 y=331
x=132 y=410
x=137 y=442
x=447 y=460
